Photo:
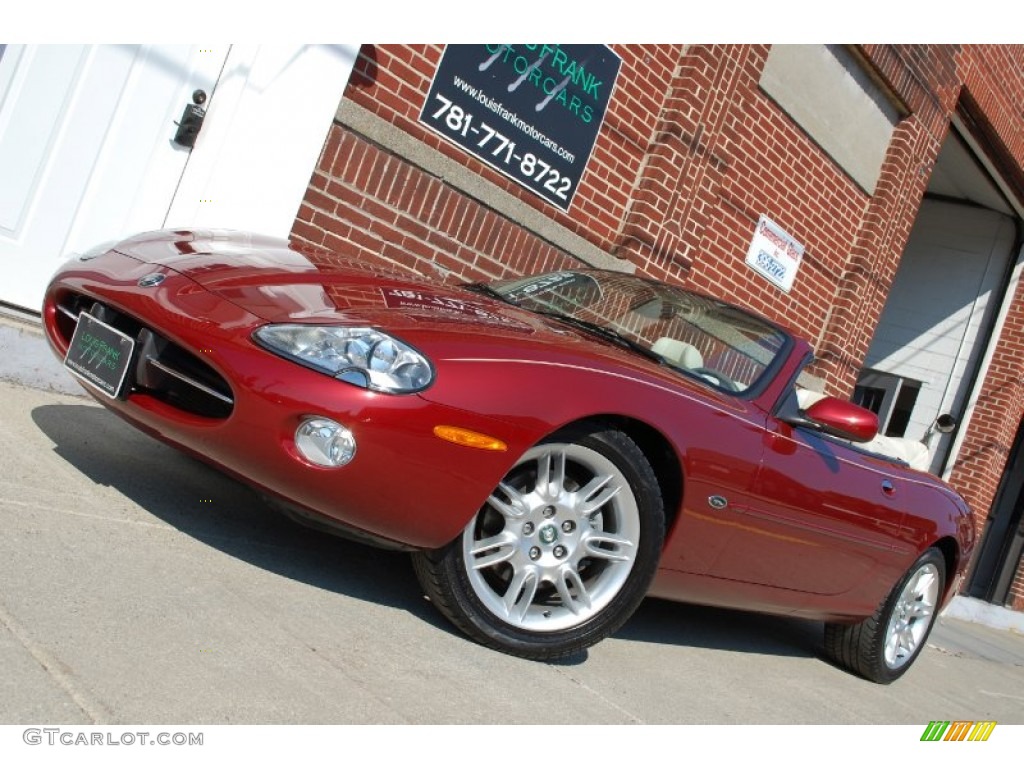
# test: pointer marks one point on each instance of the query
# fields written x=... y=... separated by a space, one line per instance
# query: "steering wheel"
x=717 y=378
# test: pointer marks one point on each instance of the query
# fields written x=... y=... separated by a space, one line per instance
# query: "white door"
x=86 y=150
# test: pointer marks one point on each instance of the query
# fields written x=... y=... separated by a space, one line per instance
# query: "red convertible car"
x=550 y=449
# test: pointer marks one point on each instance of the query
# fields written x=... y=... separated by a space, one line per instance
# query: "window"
x=892 y=397
x=869 y=397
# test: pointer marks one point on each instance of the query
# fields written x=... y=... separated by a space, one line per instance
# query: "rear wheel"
x=882 y=647
x=561 y=554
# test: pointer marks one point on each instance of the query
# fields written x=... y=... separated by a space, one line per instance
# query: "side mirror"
x=841 y=418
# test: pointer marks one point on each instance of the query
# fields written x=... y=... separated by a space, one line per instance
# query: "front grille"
x=161 y=369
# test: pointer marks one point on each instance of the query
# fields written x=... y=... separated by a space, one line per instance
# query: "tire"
x=883 y=647
x=562 y=552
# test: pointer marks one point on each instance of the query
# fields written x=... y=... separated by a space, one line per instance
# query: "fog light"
x=325 y=443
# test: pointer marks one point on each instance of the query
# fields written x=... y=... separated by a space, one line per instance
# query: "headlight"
x=362 y=356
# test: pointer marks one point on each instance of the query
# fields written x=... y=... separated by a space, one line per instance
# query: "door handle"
x=888 y=488
x=191 y=120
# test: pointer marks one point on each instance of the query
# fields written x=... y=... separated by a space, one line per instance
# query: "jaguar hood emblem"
x=152 y=280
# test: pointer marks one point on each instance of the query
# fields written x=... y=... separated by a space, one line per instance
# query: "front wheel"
x=881 y=648
x=562 y=552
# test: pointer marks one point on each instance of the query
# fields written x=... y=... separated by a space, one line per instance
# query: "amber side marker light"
x=469 y=438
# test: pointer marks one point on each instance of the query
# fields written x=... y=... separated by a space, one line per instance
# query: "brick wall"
x=690 y=154
x=367 y=204
x=991 y=99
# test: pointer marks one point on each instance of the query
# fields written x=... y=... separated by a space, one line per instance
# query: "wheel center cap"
x=548 y=534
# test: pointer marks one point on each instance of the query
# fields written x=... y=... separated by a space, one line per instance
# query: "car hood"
x=263 y=275
x=281 y=283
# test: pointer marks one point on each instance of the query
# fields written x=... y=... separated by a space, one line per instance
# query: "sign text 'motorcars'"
x=532 y=112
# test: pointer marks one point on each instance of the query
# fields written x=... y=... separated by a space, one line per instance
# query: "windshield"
x=720 y=344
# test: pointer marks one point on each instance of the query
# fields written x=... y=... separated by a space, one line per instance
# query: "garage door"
x=931 y=333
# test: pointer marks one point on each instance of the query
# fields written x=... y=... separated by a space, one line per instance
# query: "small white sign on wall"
x=774 y=253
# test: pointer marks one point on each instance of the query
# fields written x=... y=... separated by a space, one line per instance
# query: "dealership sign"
x=774 y=253
x=532 y=112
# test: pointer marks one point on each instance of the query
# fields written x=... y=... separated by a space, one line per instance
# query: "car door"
x=822 y=516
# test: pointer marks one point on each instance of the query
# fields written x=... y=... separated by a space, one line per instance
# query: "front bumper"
x=404 y=485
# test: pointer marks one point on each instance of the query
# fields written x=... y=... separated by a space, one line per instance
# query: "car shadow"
x=229 y=516
x=669 y=623
x=223 y=513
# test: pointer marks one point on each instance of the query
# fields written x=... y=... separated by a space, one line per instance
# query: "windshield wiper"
x=609 y=334
x=486 y=290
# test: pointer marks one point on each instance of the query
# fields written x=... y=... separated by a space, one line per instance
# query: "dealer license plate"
x=99 y=355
